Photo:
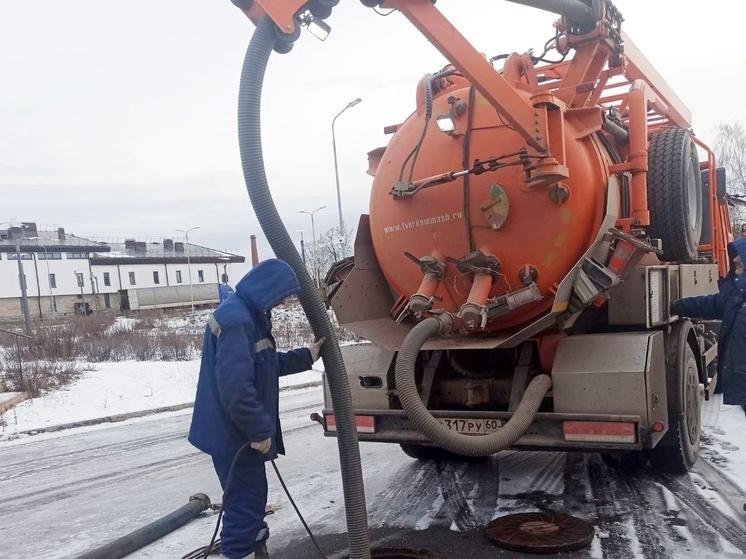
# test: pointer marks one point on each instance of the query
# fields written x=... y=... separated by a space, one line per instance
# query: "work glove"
x=262 y=446
x=315 y=349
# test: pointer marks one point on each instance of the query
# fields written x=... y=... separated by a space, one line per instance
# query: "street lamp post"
x=22 y=281
x=315 y=253
x=189 y=263
x=302 y=245
x=336 y=169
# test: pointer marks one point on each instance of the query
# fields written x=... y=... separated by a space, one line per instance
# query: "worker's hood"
x=736 y=248
x=268 y=284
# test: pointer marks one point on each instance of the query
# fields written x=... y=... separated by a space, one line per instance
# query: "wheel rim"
x=694 y=200
x=691 y=397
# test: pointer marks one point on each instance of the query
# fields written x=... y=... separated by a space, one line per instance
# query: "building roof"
x=128 y=251
x=167 y=250
x=34 y=240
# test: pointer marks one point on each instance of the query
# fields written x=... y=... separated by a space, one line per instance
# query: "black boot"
x=261 y=550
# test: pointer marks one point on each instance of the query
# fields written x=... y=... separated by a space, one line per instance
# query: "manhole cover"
x=401 y=554
x=540 y=532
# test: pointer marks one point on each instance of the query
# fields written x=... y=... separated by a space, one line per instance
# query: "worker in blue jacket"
x=236 y=406
x=729 y=306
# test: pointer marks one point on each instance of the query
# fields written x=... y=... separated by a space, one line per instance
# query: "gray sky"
x=119 y=119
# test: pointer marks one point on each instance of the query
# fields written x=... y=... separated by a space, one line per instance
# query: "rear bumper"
x=546 y=432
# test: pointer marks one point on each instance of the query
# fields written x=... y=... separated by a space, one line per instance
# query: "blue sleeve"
x=708 y=307
x=295 y=361
x=235 y=375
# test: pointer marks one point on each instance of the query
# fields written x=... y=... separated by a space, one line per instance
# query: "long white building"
x=67 y=274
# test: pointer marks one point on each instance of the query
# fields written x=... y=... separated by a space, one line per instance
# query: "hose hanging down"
x=439 y=434
x=252 y=160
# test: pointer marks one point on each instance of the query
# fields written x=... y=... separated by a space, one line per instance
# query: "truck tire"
x=435 y=453
x=675 y=194
x=627 y=462
x=678 y=450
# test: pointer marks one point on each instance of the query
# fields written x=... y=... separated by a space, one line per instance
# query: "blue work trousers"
x=244 y=504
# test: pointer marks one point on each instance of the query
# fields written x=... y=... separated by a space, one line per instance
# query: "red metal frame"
x=605 y=60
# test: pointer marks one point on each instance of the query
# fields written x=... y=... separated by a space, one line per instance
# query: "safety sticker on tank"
x=434 y=220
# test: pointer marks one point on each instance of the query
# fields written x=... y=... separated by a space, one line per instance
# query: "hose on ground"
x=252 y=160
x=439 y=434
x=147 y=534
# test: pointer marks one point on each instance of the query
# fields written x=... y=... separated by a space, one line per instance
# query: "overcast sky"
x=119 y=118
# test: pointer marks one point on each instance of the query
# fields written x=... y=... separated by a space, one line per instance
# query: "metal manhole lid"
x=540 y=532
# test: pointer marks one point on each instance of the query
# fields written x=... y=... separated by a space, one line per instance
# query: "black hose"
x=250 y=141
x=571 y=9
x=148 y=534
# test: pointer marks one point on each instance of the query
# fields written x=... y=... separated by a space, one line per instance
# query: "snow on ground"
x=118 y=388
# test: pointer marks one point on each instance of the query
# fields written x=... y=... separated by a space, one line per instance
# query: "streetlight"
x=302 y=245
x=313 y=232
x=189 y=263
x=22 y=280
x=336 y=168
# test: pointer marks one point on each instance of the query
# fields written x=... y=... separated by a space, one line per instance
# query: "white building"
x=66 y=274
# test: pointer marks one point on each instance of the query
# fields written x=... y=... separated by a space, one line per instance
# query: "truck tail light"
x=599 y=431
x=363 y=423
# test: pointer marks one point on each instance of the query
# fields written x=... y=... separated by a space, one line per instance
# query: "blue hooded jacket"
x=238 y=389
x=729 y=306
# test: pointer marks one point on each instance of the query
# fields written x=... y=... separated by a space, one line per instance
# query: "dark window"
x=132 y=278
x=79 y=277
x=156 y=278
x=107 y=279
x=52 y=281
x=107 y=301
x=178 y=276
x=200 y=275
x=49 y=256
x=77 y=255
x=14 y=256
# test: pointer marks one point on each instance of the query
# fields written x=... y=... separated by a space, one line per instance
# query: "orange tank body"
x=529 y=229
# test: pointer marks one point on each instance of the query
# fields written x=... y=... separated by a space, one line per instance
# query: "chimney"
x=29 y=229
x=15 y=233
x=179 y=246
x=140 y=246
x=61 y=234
x=129 y=244
x=254 y=253
x=168 y=244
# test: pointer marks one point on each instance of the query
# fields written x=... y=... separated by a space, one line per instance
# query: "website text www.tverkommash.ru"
x=434 y=220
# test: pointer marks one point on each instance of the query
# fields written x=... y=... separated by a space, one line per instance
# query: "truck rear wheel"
x=628 y=462
x=435 y=453
x=677 y=452
x=675 y=194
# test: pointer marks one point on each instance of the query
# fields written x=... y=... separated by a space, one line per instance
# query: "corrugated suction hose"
x=439 y=434
x=138 y=539
x=250 y=141
x=571 y=9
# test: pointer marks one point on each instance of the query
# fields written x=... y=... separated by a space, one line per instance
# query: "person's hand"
x=315 y=349
x=262 y=446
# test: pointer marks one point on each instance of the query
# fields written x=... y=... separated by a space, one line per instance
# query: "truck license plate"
x=472 y=426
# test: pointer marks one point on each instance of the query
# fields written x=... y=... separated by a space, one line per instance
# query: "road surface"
x=66 y=494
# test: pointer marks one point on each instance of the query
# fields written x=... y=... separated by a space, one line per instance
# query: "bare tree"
x=730 y=147
x=334 y=244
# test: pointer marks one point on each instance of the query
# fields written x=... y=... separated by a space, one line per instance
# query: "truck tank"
x=531 y=234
